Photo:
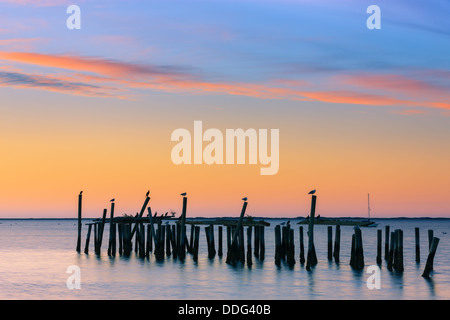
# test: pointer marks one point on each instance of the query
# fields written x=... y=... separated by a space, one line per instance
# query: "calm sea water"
x=35 y=255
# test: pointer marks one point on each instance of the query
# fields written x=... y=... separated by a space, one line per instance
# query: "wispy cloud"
x=101 y=77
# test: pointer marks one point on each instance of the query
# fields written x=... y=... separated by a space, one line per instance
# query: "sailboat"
x=373 y=224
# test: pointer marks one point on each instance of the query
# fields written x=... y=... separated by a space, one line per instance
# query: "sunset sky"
x=358 y=111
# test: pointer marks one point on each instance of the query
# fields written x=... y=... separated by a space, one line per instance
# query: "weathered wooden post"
x=256 y=246
x=330 y=243
x=149 y=243
x=302 y=246
x=379 y=244
x=173 y=241
x=220 y=249
x=353 y=250
x=141 y=240
x=249 y=246
x=311 y=259
x=120 y=230
x=241 y=245
x=392 y=247
x=337 y=243
x=112 y=231
x=88 y=237
x=417 y=231
x=191 y=242
x=358 y=252
x=95 y=238
x=233 y=253
x=430 y=259
x=147 y=199
x=291 y=248
x=229 y=236
x=152 y=228
x=196 y=241
x=386 y=243
x=80 y=200
x=168 y=239
x=208 y=241
x=283 y=243
x=181 y=248
x=262 y=244
x=213 y=244
x=277 y=245
x=399 y=259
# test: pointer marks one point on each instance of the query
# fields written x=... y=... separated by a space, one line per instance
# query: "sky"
x=359 y=111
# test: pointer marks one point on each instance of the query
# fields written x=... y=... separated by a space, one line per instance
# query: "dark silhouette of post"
x=147 y=199
x=311 y=259
x=233 y=252
x=429 y=264
x=337 y=244
x=379 y=234
x=417 y=234
x=181 y=248
x=112 y=233
x=80 y=200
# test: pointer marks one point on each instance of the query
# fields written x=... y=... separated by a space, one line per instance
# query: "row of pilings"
x=154 y=235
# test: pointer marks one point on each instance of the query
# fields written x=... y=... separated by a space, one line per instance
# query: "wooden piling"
x=398 y=266
x=120 y=231
x=417 y=236
x=262 y=244
x=196 y=242
x=168 y=239
x=233 y=253
x=249 y=246
x=181 y=248
x=277 y=245
x=430 y=259
x=112 y=233
x=379 y=244
x=191 y=242
x=357 y=252
x=80 y=200
x=291 y=248
x=139 y=215
x=220 y=249
x=257 y=241
x=241 y=245
x=337 y=243
x=386 y=243
x=86 y=247
x=302 y=246
x=142 y=249
x=152 y=227
x=392 y=247
x=173 y=241
x=96 y=238
x=330 y=243
x=311 y=259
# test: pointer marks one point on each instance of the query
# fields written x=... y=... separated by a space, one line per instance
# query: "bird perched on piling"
x=81 y=192
x=112 y=200
x=245 y=199
x=312 y=191
x=148 y=192
x=183 y=194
